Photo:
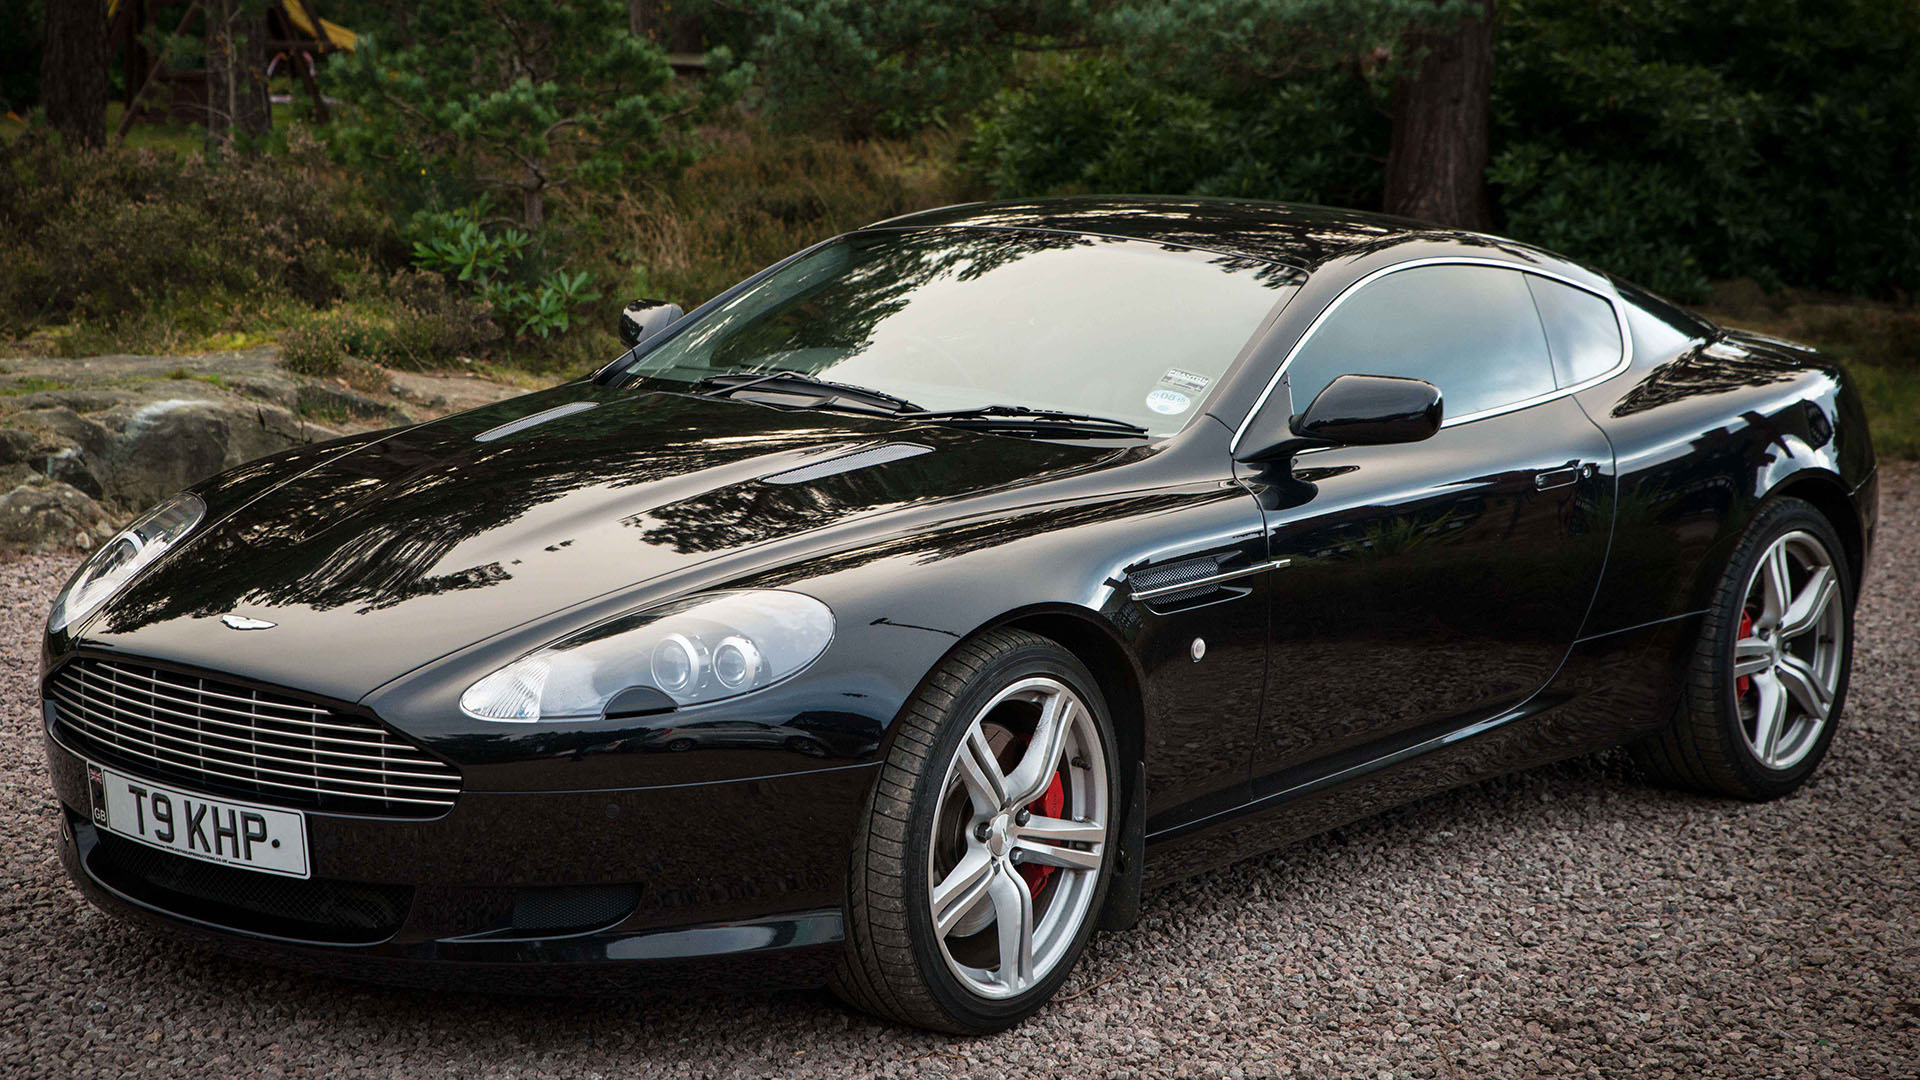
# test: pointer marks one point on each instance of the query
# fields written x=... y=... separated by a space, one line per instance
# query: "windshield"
x=959 y=319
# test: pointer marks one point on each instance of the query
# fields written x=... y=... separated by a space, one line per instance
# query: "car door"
x=1424 y=587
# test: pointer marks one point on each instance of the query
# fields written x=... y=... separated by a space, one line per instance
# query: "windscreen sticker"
x=1169 y=402
x=1185 y=380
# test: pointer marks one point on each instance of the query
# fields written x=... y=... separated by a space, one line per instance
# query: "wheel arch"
x=1828 y=495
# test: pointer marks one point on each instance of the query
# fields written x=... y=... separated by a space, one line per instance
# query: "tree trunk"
x=1437 y=162
x=73 y=70
x=236 y=72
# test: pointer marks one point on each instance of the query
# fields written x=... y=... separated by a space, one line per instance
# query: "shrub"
x=410 y=320
x=108 y=235
x=318 y=347
x=1669 y=141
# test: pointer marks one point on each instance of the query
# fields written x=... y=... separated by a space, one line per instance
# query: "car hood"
x=409 y=547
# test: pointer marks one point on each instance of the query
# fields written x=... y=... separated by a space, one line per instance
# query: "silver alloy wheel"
x=998 y=937
x=1791 y=653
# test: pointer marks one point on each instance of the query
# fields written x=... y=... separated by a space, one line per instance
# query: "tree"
x=73 y=70
x=236 y=51
x=1437 y=161
x=520 y=97
x=865 y=68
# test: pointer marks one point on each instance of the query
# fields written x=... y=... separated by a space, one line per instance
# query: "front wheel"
x=1769 y=675
x=988 y=843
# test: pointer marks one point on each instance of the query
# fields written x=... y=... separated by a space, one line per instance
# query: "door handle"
x=1561 y=477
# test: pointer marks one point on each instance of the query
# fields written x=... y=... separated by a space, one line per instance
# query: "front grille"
x=315 y=910
x=228 y=739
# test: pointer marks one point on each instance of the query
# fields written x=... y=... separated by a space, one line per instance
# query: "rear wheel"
x=986 y=850
x=1769 y=676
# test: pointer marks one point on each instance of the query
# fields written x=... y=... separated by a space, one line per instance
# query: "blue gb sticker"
x=1169 y=402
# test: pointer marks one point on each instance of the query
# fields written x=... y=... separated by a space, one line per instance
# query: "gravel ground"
x=1565 y=922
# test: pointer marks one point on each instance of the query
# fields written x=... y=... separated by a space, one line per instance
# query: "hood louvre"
x=864 y=458
x=533 y=419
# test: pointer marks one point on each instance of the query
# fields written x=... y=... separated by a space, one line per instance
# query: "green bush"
x=1669 y=141
x=497 y=267
x=108 y=236
x=1097 y=124
x=410 y=320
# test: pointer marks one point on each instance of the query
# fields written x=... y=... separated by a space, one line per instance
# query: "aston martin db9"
x=893 y=619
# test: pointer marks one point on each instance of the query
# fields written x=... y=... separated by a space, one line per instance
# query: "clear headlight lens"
x=692 y=651
x=119 y=559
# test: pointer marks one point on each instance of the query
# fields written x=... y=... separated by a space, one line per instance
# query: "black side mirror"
x=641 y=319
x=1354 y=410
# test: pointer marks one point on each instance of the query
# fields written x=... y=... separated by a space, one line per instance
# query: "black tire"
x=1704 y=747
x=893 y=965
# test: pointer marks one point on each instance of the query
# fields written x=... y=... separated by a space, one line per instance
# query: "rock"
x=124 y=432
x=163 y=446
x=51 y=517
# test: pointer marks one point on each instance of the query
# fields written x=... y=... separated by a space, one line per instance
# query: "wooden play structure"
x=298 y=39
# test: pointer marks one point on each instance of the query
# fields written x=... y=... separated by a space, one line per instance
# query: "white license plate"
x=212 y=830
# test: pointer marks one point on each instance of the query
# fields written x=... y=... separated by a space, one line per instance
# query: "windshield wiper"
x=1036 y=421
x=723 y=385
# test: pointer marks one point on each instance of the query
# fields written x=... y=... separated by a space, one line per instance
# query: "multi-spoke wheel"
x=1788 y=659
x=1770 y=673
x=986 y=852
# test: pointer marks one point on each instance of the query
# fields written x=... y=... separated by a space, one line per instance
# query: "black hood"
x=453 y=538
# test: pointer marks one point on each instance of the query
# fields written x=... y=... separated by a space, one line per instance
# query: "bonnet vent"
x=533 y=420
x=858 y=459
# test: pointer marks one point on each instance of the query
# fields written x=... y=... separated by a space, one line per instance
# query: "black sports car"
x=895 y=617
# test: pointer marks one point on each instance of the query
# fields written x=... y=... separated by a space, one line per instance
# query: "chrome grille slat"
x=202 y=761
x=299 y=720
x=253 y=729
x=110 y=666
x=237 y=738
x=275 y=784
x=243 y=753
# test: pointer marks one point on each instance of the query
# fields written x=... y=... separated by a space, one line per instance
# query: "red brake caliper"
x=1048 y=805
x=1745 y=682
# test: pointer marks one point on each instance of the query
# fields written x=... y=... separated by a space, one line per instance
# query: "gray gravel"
x=1566 y=922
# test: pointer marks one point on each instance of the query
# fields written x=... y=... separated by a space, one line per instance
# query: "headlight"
x=688 y=652
x=119 y=559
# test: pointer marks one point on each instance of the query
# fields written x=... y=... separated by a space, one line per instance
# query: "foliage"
x=1669 y=141
x=757 y=197
x=493 y=265
x=1677 y=140
x=1258 y=98
x=861 y=69
x=1094 y=125
x=511 y=96
x=108 y=236
x=410 y=320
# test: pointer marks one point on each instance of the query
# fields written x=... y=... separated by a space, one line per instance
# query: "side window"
x=1472 y=331
x=1582 y=333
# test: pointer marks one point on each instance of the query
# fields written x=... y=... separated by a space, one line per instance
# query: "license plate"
x=211 y=830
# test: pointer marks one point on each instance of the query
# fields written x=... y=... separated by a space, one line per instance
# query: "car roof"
x=1297 y=234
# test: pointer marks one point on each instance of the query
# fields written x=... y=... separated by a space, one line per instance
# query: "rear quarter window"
x=1583 y=335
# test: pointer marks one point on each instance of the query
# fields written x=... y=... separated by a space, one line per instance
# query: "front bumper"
x=743 y=877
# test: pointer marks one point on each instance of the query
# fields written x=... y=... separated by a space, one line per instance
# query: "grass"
x=1878 y=341
x=30 y=384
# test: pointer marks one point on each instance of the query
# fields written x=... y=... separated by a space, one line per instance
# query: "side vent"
x=1193 y=582
x=859 y=459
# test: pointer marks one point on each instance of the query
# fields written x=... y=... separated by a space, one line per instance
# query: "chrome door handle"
x=1554 y=478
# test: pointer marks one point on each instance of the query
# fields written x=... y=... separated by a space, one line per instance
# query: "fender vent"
x=1194 y=582
x=859 y=459
x=1146 y=583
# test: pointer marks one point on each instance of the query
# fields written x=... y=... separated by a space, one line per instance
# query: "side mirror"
x=641 y=319
x=1354 y=410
